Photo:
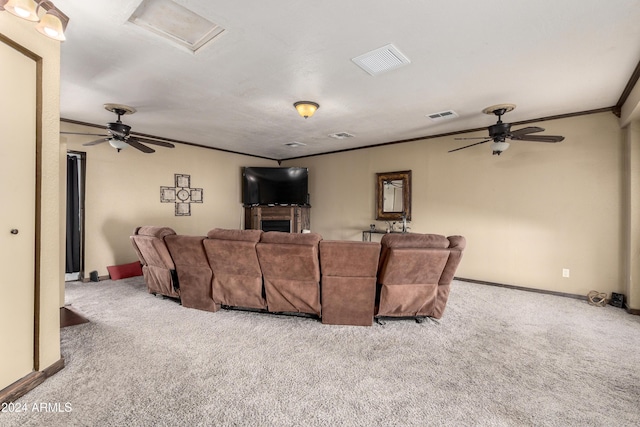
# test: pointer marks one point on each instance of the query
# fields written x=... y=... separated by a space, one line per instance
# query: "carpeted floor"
x=499 y=357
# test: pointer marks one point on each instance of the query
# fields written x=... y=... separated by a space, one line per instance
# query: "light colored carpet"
x=499 y=357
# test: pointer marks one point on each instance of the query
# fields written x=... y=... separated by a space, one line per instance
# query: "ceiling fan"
x=499 y=132
x=118 y=134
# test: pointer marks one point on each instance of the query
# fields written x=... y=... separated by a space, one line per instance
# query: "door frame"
x=82 y=181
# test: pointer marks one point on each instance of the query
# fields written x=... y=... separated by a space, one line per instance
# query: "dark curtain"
x=73 y=215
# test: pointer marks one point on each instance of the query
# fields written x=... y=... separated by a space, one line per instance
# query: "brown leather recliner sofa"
x=237 y=277
x=193 y=270
x=415 y=274
x=341 y=282
x=158 y=268
x=290 y=267
x=348 y=281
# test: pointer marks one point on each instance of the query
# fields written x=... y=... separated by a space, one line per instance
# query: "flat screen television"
x=275 y=186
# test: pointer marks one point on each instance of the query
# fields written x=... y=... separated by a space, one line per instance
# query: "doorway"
x=74 y=260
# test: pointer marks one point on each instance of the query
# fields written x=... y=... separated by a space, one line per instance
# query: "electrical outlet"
x=565 y=272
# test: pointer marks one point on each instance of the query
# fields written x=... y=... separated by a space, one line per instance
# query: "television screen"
x=275 y=186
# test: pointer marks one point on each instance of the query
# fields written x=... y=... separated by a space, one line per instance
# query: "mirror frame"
x=405 y=177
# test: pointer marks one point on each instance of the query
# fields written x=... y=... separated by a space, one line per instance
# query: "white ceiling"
x=549 y=57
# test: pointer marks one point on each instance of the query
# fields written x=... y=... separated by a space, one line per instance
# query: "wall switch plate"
x=565 y=272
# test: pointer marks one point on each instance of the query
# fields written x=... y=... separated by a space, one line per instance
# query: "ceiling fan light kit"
x=52 y=24
x=501 y=131
x=498 y=147
x=117 y=144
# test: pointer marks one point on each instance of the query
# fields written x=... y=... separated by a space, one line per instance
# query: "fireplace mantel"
x=291 y=219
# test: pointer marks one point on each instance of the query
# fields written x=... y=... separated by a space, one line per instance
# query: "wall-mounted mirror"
x=393 y=195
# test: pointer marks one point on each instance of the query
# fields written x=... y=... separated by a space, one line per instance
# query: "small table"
x=366 y=234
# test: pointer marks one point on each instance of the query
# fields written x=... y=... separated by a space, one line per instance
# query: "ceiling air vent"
x=294 y=144
x=381 y=60
x=341 y=135
x=443 y=115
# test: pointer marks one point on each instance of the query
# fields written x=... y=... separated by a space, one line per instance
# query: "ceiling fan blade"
x=540 y=138
x=471 y=145
x=135 y=144
x=155 y=142
x=472 y=137
x=82 y=133
x=97 y=141
x=524 y=131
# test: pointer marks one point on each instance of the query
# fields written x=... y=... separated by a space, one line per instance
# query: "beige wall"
x=630 y=122
x=527 y=214
x=632 y=212
x=23 y=34
x=123 y=191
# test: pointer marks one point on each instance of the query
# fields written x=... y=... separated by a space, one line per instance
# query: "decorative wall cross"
x=182 y=195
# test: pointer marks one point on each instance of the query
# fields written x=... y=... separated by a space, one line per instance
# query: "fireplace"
x=290 y=219
x=276 y=225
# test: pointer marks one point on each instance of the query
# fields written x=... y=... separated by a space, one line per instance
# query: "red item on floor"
x=125 y=270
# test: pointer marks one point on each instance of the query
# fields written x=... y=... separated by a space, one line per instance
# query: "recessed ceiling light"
x=175 y=23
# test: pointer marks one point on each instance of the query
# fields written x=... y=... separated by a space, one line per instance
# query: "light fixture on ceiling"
x=52 y=24
x=117 y=144
x=306 y=108
x=499 y=146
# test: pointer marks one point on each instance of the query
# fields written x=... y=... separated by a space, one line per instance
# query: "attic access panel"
x=175 y=23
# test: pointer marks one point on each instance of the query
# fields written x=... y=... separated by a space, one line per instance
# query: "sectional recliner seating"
x=348 y=282
x=193 y=272
x=415 y=274
x=158 y=268
x=291 y=269
x=340 y=282
x=237 y=277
